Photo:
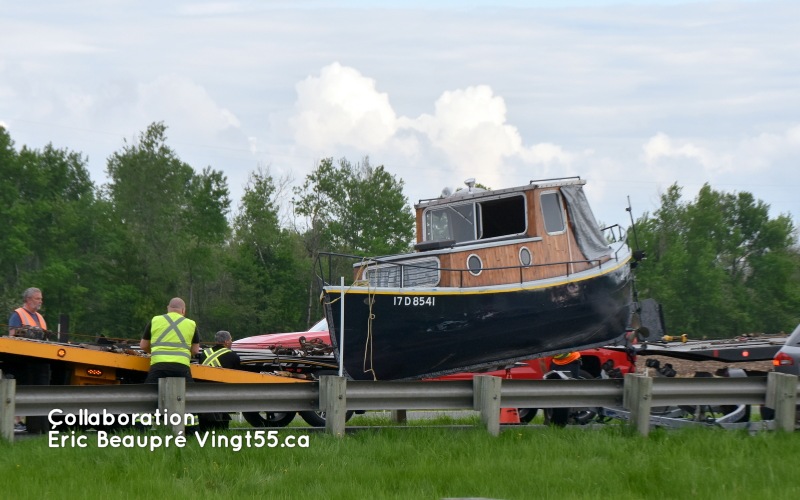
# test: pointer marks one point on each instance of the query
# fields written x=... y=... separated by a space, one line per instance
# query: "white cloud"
x=178 y=100
x=468 y=127
x=662 y=146
x=341 y=107
x=760 y=150
x=661 y=149
x=748 y=155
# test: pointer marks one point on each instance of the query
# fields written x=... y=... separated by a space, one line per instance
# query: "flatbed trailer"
x=735 y=350
x=92 y=364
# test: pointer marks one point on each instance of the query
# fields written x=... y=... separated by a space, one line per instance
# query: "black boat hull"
x=399 y=334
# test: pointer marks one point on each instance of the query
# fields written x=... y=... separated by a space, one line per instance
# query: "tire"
x=527 y=414
x=213 y=421
x=725 y=409
x=560 y=417
x=767 y=413
x=317 y=418
x=269 y=419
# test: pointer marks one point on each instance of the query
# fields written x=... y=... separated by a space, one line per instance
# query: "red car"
x=310 y=352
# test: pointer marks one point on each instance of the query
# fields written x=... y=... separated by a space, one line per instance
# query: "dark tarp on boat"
x=584 y=225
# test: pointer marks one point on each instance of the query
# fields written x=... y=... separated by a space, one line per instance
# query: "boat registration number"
x=414 y=301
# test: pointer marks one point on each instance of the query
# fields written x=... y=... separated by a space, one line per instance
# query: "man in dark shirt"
x=221 y=354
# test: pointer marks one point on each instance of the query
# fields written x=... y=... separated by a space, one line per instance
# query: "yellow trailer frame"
x=92 y=365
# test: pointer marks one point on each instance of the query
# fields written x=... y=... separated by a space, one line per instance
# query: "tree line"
x=720 y=265
x=111 y=256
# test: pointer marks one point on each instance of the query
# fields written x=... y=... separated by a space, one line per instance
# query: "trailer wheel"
x=560 y=417
x=724 y=409
x=527 y=414
x=317 y=418
x=557 y=416
x=268 y=419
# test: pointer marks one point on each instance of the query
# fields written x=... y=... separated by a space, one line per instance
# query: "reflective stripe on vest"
x=212 y=357
x=27 y=318
x=566 y=358
x=169 y=342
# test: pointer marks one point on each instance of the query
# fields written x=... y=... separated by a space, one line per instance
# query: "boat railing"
x=334 y=271
x=615 y=234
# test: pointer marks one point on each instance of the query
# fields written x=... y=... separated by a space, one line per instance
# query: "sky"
x=632 y=96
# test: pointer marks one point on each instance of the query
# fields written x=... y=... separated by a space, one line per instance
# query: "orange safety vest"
x=566 y=358
x=27 y=319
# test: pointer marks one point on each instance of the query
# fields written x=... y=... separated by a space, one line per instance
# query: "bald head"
x=177 y=305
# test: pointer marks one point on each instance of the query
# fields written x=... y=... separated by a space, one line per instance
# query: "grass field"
x=416 y=462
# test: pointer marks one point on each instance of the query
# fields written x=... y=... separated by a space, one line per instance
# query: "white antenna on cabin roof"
x=470 y=183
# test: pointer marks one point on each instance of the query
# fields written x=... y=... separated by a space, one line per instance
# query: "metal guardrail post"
x=637 y=397
x=333 y=401
x=8 y=387
x=782 y=397
x=486 y=399
x=172 y=401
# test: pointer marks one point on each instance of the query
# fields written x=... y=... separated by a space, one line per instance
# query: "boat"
x=495 y=277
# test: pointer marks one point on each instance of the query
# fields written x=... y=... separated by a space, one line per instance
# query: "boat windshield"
x=489 y=218
x=451 y=222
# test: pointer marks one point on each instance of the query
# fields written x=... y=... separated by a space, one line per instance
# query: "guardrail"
x=335 y=395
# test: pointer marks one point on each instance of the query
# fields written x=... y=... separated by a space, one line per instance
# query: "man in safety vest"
x=171 y=339
x=28 y=315
x=26 y=321
x=221 y=354
x=569 y=362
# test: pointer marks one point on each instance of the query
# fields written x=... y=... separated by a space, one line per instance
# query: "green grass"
x=426 y=463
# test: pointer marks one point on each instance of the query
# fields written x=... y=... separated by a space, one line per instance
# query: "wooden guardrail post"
x=400 y=416
x=172 y=401
x=637 y=397
x=486 y=399
x=8 y=388
x=782 y=397
x=333 y=401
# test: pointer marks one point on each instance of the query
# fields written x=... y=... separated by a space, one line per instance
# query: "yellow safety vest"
x=27 y=319
x=212 y=356
x=171 y=339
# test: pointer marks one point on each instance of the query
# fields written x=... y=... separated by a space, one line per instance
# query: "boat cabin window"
x=416 y=272
x=553 y=212
x=480 y=220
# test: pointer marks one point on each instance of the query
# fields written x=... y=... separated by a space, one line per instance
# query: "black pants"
x=32 y=373
x=164 y=370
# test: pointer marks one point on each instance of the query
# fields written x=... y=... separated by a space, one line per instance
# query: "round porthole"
x=525 y=257
x=474 y=265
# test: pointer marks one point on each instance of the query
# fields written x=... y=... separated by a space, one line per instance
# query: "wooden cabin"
x=477 y=238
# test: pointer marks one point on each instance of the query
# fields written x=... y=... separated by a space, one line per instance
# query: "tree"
x=719 y=265
x=172 y=221
x=206 y=232
x=52 y=240
x=352 y=209
x=267 y=263
x=16 y=236
x=358 y=208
